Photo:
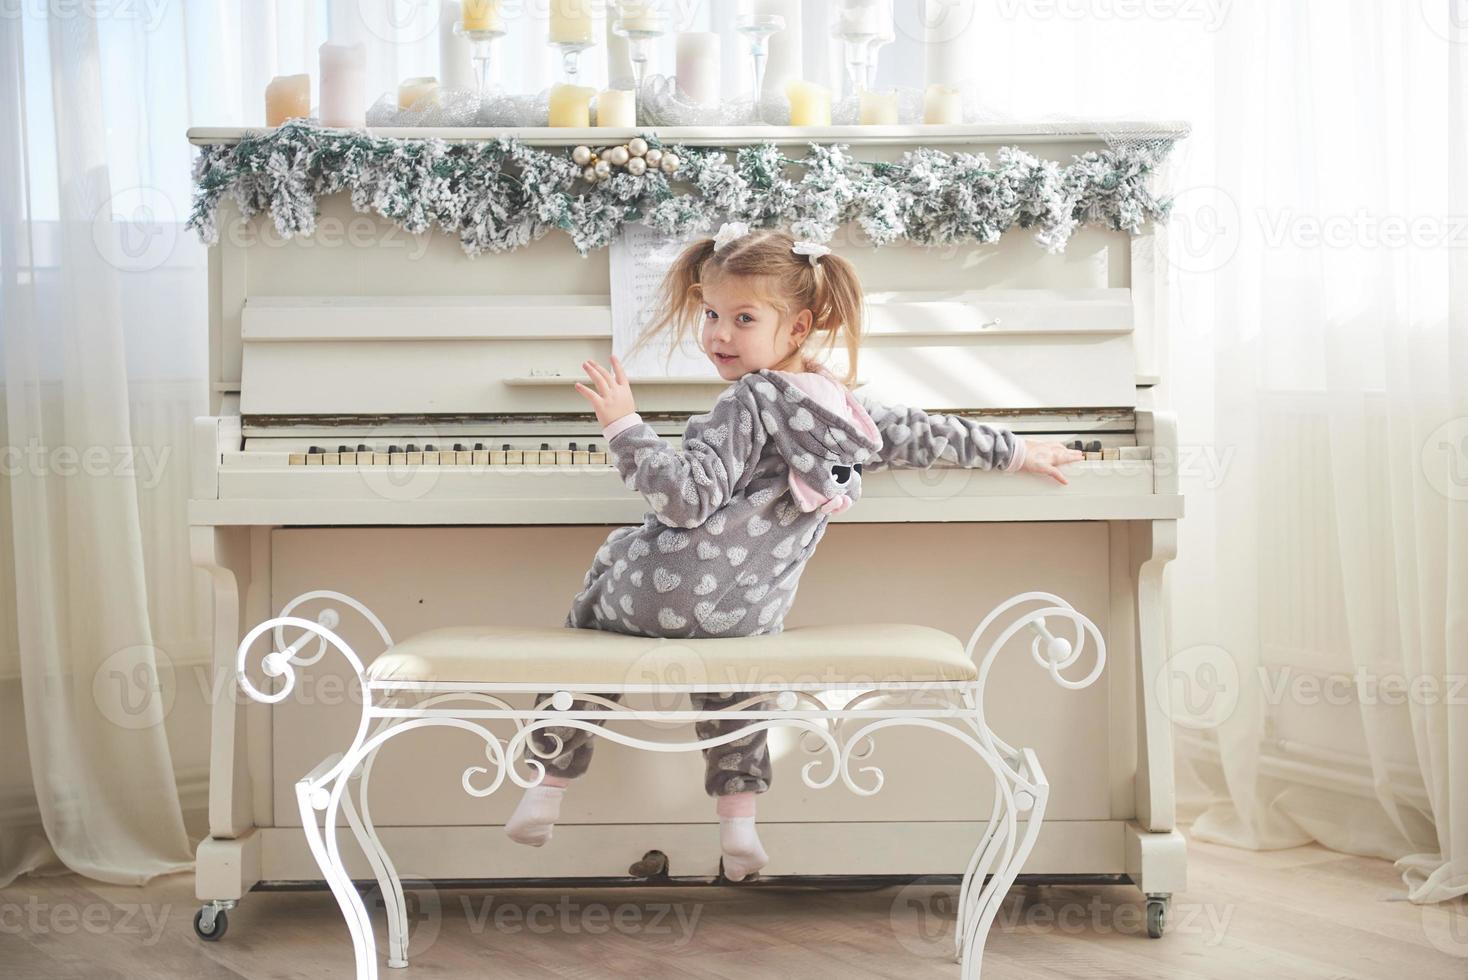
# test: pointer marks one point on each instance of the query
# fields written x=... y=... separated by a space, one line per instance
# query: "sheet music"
x=640 y=259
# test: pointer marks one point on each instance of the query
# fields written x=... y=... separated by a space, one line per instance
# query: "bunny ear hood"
x=810 y=436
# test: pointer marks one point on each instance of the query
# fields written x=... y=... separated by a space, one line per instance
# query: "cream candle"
x=453 y=51
x=810 y=103
x=343 y=84
x=482 y=15
x=878 y=108
x=570 y=21
x=616 y=107
x=287 y=97
x=942 y=105
x=412 y=91
x=698 y=66
x=570 y=105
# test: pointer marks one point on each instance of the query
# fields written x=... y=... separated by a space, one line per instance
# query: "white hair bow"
x=813 y=250
x=728 y=232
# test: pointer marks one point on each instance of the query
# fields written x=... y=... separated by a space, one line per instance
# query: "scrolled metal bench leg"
x=389 y=883
x=992 y=895
x=311 y=797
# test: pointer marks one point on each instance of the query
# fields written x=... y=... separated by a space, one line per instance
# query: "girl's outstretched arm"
x=912 y=437
x=685 y=486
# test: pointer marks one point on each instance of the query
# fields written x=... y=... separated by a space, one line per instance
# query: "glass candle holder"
x=756 y=30
x=481 y=40
x=640 y=31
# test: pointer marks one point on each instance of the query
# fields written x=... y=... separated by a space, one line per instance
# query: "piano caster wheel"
x=1157 y=906
x=212 y=921
x=653 y=864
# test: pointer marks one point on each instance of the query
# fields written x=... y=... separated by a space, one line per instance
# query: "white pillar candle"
x=786 y=61
x=810 y=104
x=619 y=56
x=453 y=51
x=616 y=107
x=698 y=66
x=343 y=84
x=570 y=105
x=942 y=105
x=411 y=91
x=287 y=97
x=482 y=15
x=570 y=21
x=878 y=108
x=950 y=37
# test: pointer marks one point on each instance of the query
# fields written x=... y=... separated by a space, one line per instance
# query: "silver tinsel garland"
x=502 y=194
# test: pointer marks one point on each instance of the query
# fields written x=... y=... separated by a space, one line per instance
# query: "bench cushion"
x=853 y=653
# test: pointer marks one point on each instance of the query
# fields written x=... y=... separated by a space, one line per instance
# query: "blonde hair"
x=827 y=287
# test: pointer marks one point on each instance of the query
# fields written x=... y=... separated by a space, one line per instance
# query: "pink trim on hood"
x=828 y=392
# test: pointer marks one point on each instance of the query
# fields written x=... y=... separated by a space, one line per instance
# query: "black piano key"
x=362 y=447
x=343 y=449
x=394 y=449
x=1094 y=447
x=459 y=447
x=545 y=445
x=591 y=447
x=412 y=448
x=479 y=447
x=430 y=448
x=506 y=447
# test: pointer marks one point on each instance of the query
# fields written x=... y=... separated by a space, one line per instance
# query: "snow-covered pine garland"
x=502 y=194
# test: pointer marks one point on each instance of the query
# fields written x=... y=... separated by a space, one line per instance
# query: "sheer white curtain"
x=1317 y=368
x=1334 y=235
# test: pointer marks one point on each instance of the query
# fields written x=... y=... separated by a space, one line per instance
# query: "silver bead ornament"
x=637 y=146
x=581 y=156
x=654 y=157
x=637 y=166
x=603 y=170
x=618 y=156
x=670 y=162
x=589 y=175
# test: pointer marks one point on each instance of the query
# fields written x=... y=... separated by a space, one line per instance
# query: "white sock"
x=537 y=813
x=739 y=841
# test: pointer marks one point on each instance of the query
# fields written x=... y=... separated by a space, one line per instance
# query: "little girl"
x=739 y=509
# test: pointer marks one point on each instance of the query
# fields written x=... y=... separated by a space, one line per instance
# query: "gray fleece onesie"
x=721 y=552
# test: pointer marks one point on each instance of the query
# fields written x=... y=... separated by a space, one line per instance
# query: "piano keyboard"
x=461 y=454
x=478 y=454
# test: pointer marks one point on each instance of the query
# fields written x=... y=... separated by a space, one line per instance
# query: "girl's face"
x=740 y=323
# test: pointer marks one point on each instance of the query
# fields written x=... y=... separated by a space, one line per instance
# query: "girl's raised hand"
x=613 y=396
x=1047 y=458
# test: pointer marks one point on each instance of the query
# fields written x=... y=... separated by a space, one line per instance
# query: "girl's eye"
x=746 y=318
x=710 y=315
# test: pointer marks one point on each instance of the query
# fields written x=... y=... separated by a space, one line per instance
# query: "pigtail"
x=680 y=302
x=839 y=307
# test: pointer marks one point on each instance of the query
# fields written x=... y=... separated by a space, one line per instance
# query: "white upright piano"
x=335 y=359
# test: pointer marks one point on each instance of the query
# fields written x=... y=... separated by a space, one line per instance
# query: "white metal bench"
x=459 y=677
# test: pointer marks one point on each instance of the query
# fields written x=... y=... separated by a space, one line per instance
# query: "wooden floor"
x=1305 y=912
